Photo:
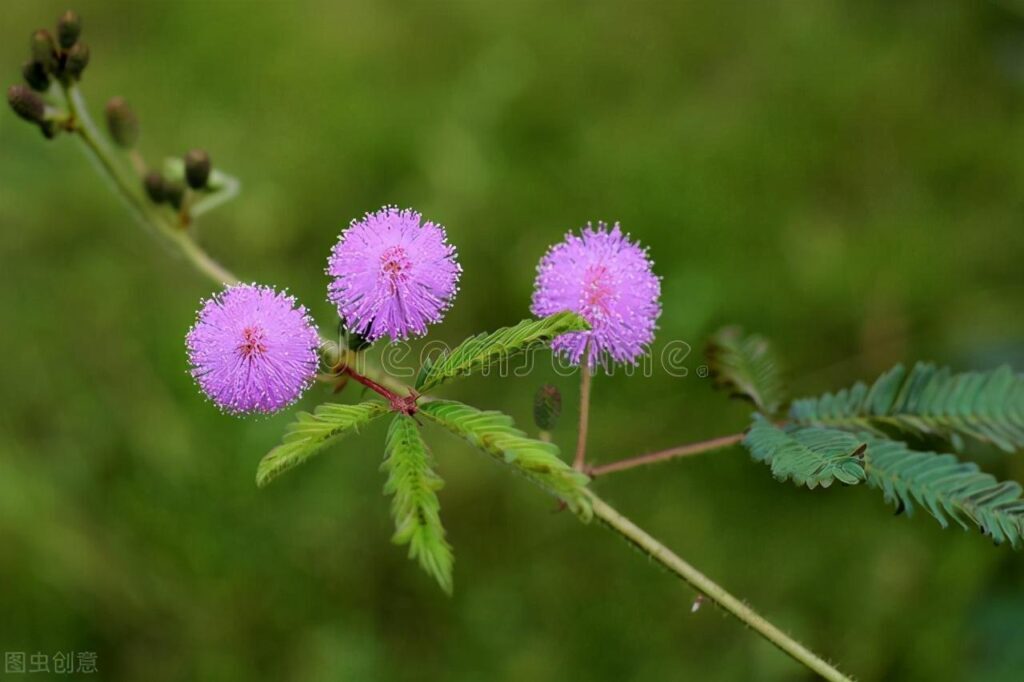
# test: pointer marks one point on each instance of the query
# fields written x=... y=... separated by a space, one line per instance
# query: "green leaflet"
x=809 y=456
x=747 y=367
x=986 y=406
x=946 y=487
x=310 y=433
x=413 y=486
x=495 y=434
x=482 y=351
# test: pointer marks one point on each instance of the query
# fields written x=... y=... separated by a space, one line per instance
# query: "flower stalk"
x=151 y=216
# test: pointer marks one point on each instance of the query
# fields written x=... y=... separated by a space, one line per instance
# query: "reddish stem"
x=662 y=455
x=404 y=404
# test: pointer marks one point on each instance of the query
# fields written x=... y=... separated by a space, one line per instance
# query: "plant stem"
x=150 y=216
x=129 y=189
x=700 y=582
x=662 y=455
x=580 y=460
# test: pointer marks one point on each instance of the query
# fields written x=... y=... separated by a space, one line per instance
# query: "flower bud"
x=174 y=191
x=26 y=103
x=122 y=123
x=197 y=168
x=49 y=128
x=35 y=75
x=547 y=407
x=69 y=27
x=76 y=61
x=155 y=187
x=44 y=50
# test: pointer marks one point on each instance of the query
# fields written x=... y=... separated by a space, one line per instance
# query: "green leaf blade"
x=927 y=401
x=808 y=456
x=950 y=489
x=311 y=433
x=747 y=367
x=479 y=352
x=496 y=434
x=415 y=507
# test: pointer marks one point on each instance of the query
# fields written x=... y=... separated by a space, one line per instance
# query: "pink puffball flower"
x=607 y=279
x=393 y=274
x=253 y=349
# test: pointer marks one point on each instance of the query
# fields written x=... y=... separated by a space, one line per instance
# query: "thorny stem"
x=151 y=217
x=700 y=582
x=662 y=455
x=580 y=461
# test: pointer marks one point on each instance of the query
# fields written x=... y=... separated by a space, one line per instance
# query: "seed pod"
x=69 y=27
x=35 y=75
x=44 y=50
x=197 y=168
x=76 y=61
x=547 y=407
x=122 y=123
x=155 y=187
x=174 y=191
x=26 y=103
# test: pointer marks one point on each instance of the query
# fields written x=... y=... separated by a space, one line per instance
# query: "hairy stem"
x=663 y=455
x=154 y=219
x=586 y=375
x=700 y=582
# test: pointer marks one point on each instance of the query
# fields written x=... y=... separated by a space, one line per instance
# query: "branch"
x=154 y=219
x=700 y=582
x=664 y=455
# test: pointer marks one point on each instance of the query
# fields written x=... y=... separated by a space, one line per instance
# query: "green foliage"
x=809 y=456
x=414 y=505
x=946 y=487
x=495 y=434
x=479 y=352
x=987 y=406
x=747 y=367
x=310 y=433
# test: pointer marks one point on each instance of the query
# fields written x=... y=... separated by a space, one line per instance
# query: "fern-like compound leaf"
x=497 y=435
x=311 y=433
x=413 y=485
x=947 y=487
x=809 y=456
x=747 y=367
x=484 y=350
x=986 y=406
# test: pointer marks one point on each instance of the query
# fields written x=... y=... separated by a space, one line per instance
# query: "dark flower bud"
x=547 y=407
x=122 y=123
x=197 y=168
x=35 y=75
x=155 y=187
x=352 y=340
x=44 y=50
x=26 y=103
x=76 y=61
x=69 y=27
x=49 y=129
x=174 y=192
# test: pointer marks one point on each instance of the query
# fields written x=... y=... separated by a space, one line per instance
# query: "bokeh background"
x=845 y=177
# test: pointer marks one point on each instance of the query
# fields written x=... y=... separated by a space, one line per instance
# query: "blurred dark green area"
x=845 y=177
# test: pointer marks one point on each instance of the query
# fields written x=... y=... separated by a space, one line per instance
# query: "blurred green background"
x=845 y=177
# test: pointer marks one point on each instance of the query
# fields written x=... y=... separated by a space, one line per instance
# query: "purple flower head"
x=253 y=349
x=394 y=274
x=607 y=279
